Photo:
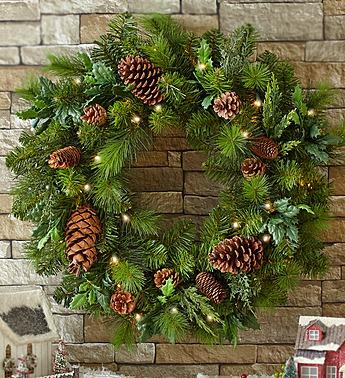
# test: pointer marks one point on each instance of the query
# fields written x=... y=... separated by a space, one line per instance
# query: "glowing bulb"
x=302 y=182
x=125 y=218
x=245 y=134
x=309 y=185
x=158 y=108
x=311 y=112
x=32 y=129
x=209 y=318
x=201 y=66
x=47 y=187
x=77 y=81
x=138 y=317
x=97 y=158
x=136 y=119
x=235 y=225
x=257 y=103
x=174 y=310
x=114 y=260
x=266 y=238
x=268 y=206
x=87 y=187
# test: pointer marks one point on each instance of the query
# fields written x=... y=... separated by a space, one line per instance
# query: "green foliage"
x=69 y=65
x=256 y=190
x=256 y=76
x=129 y=276
x=232 y=142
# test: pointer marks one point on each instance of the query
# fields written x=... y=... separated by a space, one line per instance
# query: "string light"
x=309 y=185
x=266 y=238
x=138 y=317
x=201 y=66
x=209 y=318
x=114 y=260
x=158 y=108
x=47 y=187
x=311 y=112
x=87 y=187
x=257 y=103
x=125 y=218
x=136 y=119
x=235 y=225
x=77 y=81
x=268 y=206
x=97 y=158
x=245 y=134
x=174 y=310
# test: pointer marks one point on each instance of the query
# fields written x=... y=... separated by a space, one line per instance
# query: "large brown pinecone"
x=95 y=115
x=210 y=287
x=253 y=167
x=143 y=76
x=228 y=105
x=64 y=158
x=265 y=148
x=122 y=302
x=162 y=275
x=82 y=231
x=237 y=255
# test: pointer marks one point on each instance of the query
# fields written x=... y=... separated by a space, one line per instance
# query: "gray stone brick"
x=12 y=78
x=12 y=228
x=192 y=160
x=141 y=353
x=5 y=249
x=85 y=6
x=17 y=123
x=70 y=328
x=19 y=33
x=5 y=100
x=199 y=7
x=161 y=202
x=91 y=353
x=197 y=183
x=5 y=203
x=6 y=179
x=19 y=10
x=335 y=27
x=18 y=249
x=9 y=55
x=199 y=205
x=57 y=30
x=325 y=51
x=149 y=6
x=196 y=23
x=4 y=119
x=9 y=139
x=18 y=103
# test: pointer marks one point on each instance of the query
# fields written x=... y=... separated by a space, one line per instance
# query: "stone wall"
x=310 y=33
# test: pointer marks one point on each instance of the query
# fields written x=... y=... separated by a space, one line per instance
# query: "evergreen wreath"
x=265 y=139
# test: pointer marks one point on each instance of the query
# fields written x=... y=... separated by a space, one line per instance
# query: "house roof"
x=334 y=336
x=25 y=315
x=310 y=356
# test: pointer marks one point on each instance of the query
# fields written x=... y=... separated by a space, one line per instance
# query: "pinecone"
x=64 y=158
x=82 y=230
x=210 y=287
x=162 y=275
x=253 y=167
x=228 y=105
x=122 y=302
x=143 y=76
x=95 y=115
x=237 y=255
x=265 y=148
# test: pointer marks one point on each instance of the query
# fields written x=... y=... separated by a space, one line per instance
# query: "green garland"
x=229 y=106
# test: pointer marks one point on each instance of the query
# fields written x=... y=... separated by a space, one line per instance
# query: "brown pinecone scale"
x=253 y=167
x=143 y=76
x=227 y=105
x=208 y=285
x=265 y=148
x=122 y=302
x=95 y=115
x=238 y=254
x=162 y=275
x=63 y=158
x=82 y=230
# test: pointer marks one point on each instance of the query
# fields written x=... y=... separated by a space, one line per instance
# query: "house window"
x=331 y=372
x=309 y=372
x=314 y=334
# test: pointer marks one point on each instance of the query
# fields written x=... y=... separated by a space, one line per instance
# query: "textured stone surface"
x=197 y=24
x=141 y=353
x=199 y=205
x=9 y=55
x=18 y=249
x=192 y=160
x=274 y=353
x=312 y=73
x=174 y=159
x=17 y=123
x=18 y=103
x=70 y=328
x=98 y=330
x=255 y=369
x=336 y=174
x=161 y=202
x=197 y=6
x=5 y=100
x=151 y=159
x=333 y=291
x=336 y=253
x=4 y=119
x=5 y=203
x=91 y=353
x=325 y=51
x=335 y=231
x=285 y=50
x=334 y=273
x=19 y=33
x=8 y=140
x=190 y=353
x=60 y=29
x=12 y=228
x=92 y=26
x=5 y=249
x=335 y=27
x=12 y=78
x=198 y=183
x=334 y=7
x=337 y=206
x=19 y=10
x=273 y=21
x=334 y=309
x=306 y=294
x=6 y=179
x=150 y=6
x=170 y=144
x=86 y=6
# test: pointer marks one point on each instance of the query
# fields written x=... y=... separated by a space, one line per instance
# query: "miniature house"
x=320 y=347
x=26 y=328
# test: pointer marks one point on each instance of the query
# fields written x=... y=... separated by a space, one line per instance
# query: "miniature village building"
x=320 y=347
x=26 y=329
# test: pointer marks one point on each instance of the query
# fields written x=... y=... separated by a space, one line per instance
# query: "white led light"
x=209 y=318
x=311 y=112
x=201 y=66
x=115 y=260
x=235 y=225
x=138 y=317
x=174 y=310
x=136 y=119
x=258 y=103
x=87 y=187
x=245 y=134
x=268 y=206
x=125 y=218
x=158 y=108
x=266 y=238
x=97 y=158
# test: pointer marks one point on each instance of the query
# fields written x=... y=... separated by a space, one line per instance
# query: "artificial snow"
x=304 y=360
x=327 y=321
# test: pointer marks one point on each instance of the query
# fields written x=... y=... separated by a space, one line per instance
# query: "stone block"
x=37 y=55
x=174 y=159
x=274 y=353
x=335 y=232
x=197 y=183
x=5 y=203
x=325 y=51
x=199 y=205
x=337 y=206
x=161 y=202
x=335 y=117
x=170 y=144
x=17 y=123
x=334 y=273
x=170 y=219
x=201 y=354
x=6 y=180
x=98 y=330
x=5 y=249
x=333 y=291
x=18 y=249
x=18 y=103
x=313 y=73
x=5 y=122
x=5 y=100
x=285 y=50
x=59 y=30
x=92 y=26
x=19 y=10
x=196 y=23
x=308 y=293
x=339 y=157
x=168 y=371
x=59 y=308
x=333 y=309
x=9 y=139
x=151 y=159
x=156 y=179
x=141 y=354
x=21 y=271
x=11 y=78
x=12 y=228
x=19 y=33
x=333 y=7
x=334 y=27
x=154 y=6
x=256 y=370
x=192 y=160
x=199 y=7
x=90 y=353
x=70 y=328
x=336 y=175
x=273 y=20
x=9 y=55
x=86 y=6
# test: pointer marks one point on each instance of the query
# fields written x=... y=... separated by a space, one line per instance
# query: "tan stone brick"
x=336 y=175
x=325 y=51
x=12 y=228
x=339 y=98
x=60 y=29
x=161 y=202
x=170 y=144
x=199 y=7
x=5 y=203
x=9 y=139
x=174 y=159
x=342 y=272
x=141 y=353
x=6 y=178
x=18 y=249
x=93 y=25
x=285 y=50
x=197 y=24
x=197 y=183
x=18 y=123
x=192 y=160
x=335 y=117
x=337 y=206
x=5 y=100
x=334 y=7
x=335 y=27
x=334 y=273
x=256 y=370
x=339 y=157
x=98 y=330
x=90 y=353
x=86 y=6
x=274 y=353
x=199 y=205
x=9 y=55
x=335 y=232
x=4 y=119
x=19 y=33
x=336 y=253
x=333 y=309
x=19 y=10
x=5 y=249
x=308 y=293
x=70 y=328
x=18 y=103
x=151 y=159
x=11 y=78
x=333 y=291
x=150 y=6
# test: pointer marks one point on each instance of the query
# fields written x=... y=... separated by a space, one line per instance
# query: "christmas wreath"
x=264 y=138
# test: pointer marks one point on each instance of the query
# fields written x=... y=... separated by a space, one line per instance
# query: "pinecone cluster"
x=82 y=231
x=95 y=115
x=162 y=275
x=143 y=76
x=208 y=285
x=265 y=148
x=122 y=302
x=253 y=167
x=228 y=105
x=237 y=255
x=64 y=158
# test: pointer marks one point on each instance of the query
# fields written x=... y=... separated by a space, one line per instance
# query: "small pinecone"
x=210 y=287
x=228 y=105
x=265 y=148
x=162 y=275
x=95 y=115
x=82 y=230
x=237 y=255
x=143 y=76
x=64 y=158
x=253 y=167
x=122 y=302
